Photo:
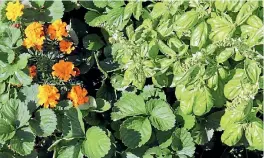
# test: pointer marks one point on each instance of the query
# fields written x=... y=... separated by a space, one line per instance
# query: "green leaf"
x=252 y=70
x=158 y=10
x=182 y=142
x=23 y=141
x=213 y=120
x=246 y=11
x=149 y=91
x=44 y=123
x=224 y=55
x=28 y=93
x=128 y=105
x=157 y=152
x=7 y=131
x=164 y=138
x=254 y=135
x=92 y=42
x=100 y=4
x=166 y=49
x=203 y=101
x=201 y=134
x=20 y=78
x=55 y=10
x=232 y=89
x=161 y=115
x=188 y=121
x=97 y=143
x=68 y=149
x=186 y=98
x=16 y=112
x=222 y=28
x=186 y=21
x=135 y=131
x=2 y=87
x=232 y=134
x=102 y=105
x=199 y=35
x=90 y=16
x=72 y=123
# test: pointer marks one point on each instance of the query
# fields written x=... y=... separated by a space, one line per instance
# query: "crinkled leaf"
x=135 y=131
x=44 y=123
x=161 y=115
x=23 y=141
x=97 y=143
x=182 y=142
x=128 y=105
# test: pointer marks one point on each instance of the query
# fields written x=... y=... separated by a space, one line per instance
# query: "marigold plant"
x=57 y=30
x=66 y=46
x=78 y=95
x=34 y=36
x=14 y=10
x=32 y=71
x=63 y=70
x=48 y=96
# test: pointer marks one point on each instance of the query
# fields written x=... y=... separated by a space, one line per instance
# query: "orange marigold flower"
x=77 y=71
x=57 y=30
x=78 y=95
x=34 y=36
x=32 y=71
x=66 y=47
x=14 y=10
x=48 y=96
x=63 y=70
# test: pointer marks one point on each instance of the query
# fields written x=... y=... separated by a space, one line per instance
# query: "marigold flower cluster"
x=34 y=36
x=14 y=10
x=49 y=95
x=56 y=31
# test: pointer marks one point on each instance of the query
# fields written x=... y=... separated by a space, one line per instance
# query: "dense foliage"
x=130 y=78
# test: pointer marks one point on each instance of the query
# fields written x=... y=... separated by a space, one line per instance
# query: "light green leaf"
x=97 y=143
x=186 y=21
x=254 y=134
x=232 y=134
x=161 y=115
x=55 y=11
x=23 y=142
x=199 y=35
x=128 y=105
x=44 y=123
x=166 y=49
x=252 y=70
x=100 y=4
x=135 y=131
x=158 y=10
x=222 y=28
x=224 y=55
x=203 y=101
x=149 y=91
x=188 y=121
x=246 y=11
